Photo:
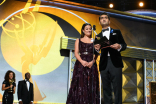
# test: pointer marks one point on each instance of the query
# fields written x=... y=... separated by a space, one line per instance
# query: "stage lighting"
x=111 y=5
x=141 y=4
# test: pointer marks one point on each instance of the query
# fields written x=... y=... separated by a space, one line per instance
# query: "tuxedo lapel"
x=101 y=35
x=29 y=86
x=25 y=84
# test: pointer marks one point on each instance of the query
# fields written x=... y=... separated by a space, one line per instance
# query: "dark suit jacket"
x=23 y=93
x=115 y=37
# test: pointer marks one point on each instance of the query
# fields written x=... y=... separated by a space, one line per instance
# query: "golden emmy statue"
x=24 y=35
x=10 y=89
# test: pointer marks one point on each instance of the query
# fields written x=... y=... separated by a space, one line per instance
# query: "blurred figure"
x=9 y=86
x=25 y=90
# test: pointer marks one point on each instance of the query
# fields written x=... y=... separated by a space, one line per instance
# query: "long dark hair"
x=7 y=75
x=83 y=26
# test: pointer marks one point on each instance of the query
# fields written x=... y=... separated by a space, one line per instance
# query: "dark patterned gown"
x=81 y=86
x=8 y=97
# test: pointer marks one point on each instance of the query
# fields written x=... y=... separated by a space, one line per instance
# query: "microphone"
x=94 y=27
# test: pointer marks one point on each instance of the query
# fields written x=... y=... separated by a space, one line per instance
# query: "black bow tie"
x=26 y=80
x=103 y=30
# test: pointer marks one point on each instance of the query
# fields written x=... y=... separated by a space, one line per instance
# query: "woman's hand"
x=11 y=86
x=84 y=63
x=90 y=64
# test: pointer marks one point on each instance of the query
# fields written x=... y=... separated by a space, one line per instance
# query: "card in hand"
x=104 y=42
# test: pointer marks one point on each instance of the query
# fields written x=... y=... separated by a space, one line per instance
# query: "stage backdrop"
x=30 y=35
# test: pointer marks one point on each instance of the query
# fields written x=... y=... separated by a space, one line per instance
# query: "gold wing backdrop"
x=31 y=32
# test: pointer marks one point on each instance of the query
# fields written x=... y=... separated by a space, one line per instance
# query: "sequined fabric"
x=7 y=97
x=81 y=86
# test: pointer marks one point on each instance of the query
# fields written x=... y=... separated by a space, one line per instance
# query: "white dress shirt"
x=28 y=84
x=107 y=34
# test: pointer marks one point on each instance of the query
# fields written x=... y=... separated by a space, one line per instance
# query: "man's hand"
x=20 y=102
x=116 y=46
x=97 y=47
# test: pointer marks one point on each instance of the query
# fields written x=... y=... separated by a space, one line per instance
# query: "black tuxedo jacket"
x=23 y=93
x=115 y=37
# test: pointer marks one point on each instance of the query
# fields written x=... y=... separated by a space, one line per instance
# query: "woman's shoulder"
x=5 y=82
x=77 y=40
x=81 y=39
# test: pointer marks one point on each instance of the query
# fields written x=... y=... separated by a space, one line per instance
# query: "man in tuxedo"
x=25 y=90
x=110 y=60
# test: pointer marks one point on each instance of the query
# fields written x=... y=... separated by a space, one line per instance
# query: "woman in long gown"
x=8 y=94
x=85 y=68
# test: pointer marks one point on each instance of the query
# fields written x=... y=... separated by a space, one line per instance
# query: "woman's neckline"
x=84 y=42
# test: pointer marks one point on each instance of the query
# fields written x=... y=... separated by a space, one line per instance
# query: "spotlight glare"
x=141 y=4
x=111 y=5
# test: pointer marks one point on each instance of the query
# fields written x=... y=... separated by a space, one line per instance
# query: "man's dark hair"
x=104 y=13
x=26 y=74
